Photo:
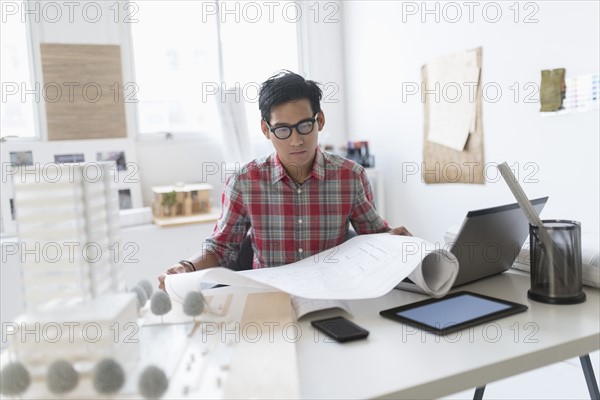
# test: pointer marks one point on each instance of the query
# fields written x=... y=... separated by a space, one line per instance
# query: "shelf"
x=212 y=216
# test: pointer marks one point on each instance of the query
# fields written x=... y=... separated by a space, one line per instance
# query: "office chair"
x=245 y=256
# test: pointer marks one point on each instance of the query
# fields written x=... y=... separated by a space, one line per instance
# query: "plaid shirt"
x=289 y=221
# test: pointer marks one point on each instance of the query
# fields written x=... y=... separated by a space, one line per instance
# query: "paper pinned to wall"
x=452 y=81
x=447 y=165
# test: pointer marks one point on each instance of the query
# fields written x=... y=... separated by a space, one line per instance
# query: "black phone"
x=340 y=329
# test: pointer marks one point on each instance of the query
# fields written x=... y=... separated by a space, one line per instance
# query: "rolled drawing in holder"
x=534 y=219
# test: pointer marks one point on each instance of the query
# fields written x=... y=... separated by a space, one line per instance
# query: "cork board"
x=445 y=165
x=83 y=91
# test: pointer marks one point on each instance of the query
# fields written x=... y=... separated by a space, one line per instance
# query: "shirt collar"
x=278 y=171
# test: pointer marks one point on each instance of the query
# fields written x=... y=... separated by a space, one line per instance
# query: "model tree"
x=109 y=377
x=153 y=382
x=160 y=304
x=147 y=286
x=14 y=379
x=193 y=304
x=62 y=377
x=141 y=296
x=168 y=200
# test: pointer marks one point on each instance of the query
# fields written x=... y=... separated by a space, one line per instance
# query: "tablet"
x=454 y=312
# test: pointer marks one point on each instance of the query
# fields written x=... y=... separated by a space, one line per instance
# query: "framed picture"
x=21 y=158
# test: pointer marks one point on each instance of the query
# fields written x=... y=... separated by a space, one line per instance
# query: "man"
x=296 y=202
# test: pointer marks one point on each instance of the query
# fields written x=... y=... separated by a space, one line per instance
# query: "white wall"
x=382 y=52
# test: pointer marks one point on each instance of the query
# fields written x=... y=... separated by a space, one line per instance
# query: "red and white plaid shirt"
x=289 y=221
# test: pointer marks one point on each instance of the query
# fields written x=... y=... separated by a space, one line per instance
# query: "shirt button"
x=300 y=250
x=299 y=190
x=300 y=221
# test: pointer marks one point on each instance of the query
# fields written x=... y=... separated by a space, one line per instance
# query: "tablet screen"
x=452 y=311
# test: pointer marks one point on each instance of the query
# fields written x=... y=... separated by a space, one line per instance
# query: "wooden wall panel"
x=83 y=91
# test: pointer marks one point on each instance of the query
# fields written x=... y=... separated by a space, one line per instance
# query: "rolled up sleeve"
x=232 y=226
x=365 y=218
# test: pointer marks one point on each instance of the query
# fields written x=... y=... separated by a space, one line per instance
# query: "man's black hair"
x=284 y=87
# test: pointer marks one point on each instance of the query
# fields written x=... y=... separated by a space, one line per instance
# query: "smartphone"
x=340 y=329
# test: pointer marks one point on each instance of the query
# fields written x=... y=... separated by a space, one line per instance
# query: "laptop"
x=488 y=242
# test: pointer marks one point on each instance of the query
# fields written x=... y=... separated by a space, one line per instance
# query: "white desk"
x=398 y=361
x=403 y=362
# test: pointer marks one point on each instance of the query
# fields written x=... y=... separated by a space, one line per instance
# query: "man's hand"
x=175 y=269
x=400 y=231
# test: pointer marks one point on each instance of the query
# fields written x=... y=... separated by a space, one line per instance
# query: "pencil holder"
x=556 y=276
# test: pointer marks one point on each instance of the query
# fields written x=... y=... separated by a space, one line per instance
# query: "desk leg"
x=479 y=393
x=590 y=379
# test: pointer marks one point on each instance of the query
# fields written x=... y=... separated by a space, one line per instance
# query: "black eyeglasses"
x=303 y=127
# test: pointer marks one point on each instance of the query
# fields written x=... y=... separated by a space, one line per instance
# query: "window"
x=255 y=48
x=18 y=92
x=185 y=51
x=175 y=55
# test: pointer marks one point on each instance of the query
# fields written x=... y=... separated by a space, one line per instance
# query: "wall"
x=385 y=48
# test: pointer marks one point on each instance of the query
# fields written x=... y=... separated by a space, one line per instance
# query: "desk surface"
x=400 y=361
x=397 y=360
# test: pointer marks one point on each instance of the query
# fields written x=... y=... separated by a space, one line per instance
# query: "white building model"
x=68 y=227
x=77 y=307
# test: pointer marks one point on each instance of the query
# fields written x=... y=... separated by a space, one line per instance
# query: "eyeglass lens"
x=305 y=127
